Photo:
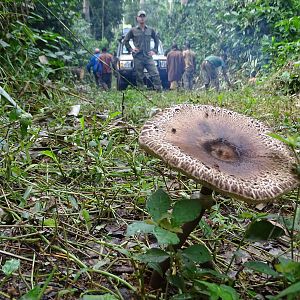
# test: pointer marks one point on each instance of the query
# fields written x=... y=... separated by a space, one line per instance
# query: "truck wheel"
x=121 y=83
x=165 y=84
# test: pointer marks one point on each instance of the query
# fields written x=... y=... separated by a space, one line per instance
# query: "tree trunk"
x=86 y=10
x=102 y=24
x=170 y=5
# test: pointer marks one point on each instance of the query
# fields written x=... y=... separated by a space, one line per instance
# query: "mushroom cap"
x=223 y=150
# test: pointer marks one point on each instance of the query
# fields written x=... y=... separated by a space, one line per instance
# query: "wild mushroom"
x=224 y=151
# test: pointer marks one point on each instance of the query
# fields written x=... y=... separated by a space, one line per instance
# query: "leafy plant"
x=37 y=292
x=286 y=269
x=8 y=269
x=10 y=266
x=165 y=223
x=53 y=156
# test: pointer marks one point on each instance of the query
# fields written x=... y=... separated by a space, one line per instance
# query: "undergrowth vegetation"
x=71 y=186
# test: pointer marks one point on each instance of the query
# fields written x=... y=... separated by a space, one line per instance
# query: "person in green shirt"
x=209 y=69
x=141 y=36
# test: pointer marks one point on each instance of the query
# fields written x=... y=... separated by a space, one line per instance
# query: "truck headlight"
x=126 y=64
x=163 y=64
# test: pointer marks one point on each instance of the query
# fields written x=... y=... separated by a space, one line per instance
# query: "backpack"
x=97 y=66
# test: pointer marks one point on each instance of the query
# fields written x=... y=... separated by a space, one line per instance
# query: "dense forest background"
x=259 y=35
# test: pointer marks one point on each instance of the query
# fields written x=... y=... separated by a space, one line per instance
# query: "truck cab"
x=125 y=66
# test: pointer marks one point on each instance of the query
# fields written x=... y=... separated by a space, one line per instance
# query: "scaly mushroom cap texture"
x=223 y=150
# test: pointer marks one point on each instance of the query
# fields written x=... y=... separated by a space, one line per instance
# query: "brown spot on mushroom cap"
x=223 y=150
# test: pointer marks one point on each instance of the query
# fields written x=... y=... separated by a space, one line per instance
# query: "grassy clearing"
x=71 y=185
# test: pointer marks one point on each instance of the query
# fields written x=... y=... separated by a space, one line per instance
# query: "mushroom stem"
x=205 y=198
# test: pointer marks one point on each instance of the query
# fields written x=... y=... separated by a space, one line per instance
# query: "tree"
x=105 y=15
x=130 y=11
x=52 y=12
x=86 y=10
x=252 y=32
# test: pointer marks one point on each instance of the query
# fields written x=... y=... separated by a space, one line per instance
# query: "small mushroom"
x=224 y=151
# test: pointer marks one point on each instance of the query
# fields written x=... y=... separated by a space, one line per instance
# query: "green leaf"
x=139 y=227
x=38 y=207
x=289 y=268
x=25 y=197
x=246 y=215
x=218 y=291
x=73 y=202
x=81 y=52
x=186 y=211
x=50 y=154
x=86 y=215
x=228 y=293
x=81 y=121
x=67 y=57
x=114 y=114
x=156 y=267
x=200 y=273
x=168 y=224
x=3 y=44
x=27 y=192
x=49 y=222
x=165 y=237
x=289 y=222
x=64 y=292
x=263 y=230
x=158 y=204
x=60 y=53
x=14 y=115
x=278 y=137
x=261 y=267
x=293 y=289
x=99 y=297
x=11 y=266
x=197 y=253
x=286 y=76
x=153 y=256
x=177 y=280
x=33 y=294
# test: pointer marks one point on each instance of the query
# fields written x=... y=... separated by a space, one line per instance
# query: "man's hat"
x=141 y=12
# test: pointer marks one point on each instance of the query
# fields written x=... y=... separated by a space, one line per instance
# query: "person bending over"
x=209 y=68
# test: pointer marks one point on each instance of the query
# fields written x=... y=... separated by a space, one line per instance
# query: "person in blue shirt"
x=95 y=65
x=209 y=69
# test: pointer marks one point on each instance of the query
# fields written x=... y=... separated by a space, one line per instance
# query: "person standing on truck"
x=141 y=36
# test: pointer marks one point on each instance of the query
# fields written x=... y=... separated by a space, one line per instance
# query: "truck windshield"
x=160 y=47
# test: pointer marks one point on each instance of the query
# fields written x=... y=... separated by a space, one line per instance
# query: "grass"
x=70 y=187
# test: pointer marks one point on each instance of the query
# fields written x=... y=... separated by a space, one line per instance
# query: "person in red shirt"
x=106 y=59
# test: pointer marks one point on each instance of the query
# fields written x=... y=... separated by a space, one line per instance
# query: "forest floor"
x=71 y=185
